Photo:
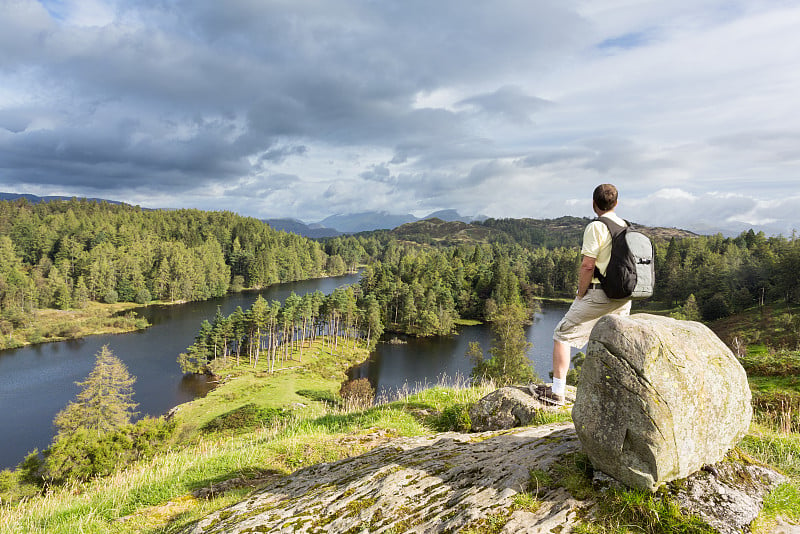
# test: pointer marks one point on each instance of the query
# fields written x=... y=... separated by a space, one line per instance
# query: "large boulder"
x=658 y=398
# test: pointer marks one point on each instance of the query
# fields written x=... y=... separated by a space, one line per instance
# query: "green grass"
x=780 y=450
x=282 y=448
x=617 y=510
x=46 y=325
x=156 y=495
x=310 y=382
x=759 y=361
x=467 y=322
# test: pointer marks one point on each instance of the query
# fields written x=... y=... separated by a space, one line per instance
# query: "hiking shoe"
x=533 y=389
x=536 y=389
x=547 y=396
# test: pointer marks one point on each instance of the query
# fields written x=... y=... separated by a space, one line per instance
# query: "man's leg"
x=560 y=360
x=560 y=368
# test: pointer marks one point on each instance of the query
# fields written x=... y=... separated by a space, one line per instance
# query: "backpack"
x=631 y=270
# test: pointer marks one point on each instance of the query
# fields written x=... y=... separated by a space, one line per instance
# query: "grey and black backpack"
x=631 y=270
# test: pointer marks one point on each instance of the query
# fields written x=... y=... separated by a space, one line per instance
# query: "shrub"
x=245 y=418
x=771 y=363
x=142 y=296
x=84 y=453
x=715 y=308
x=237 y=284
x=454 y=418
x=319 y=395
x=36 y=336
x=357 y=393
x=14 y=489
x=69 y=330
x=6 y=327
x=111 y=296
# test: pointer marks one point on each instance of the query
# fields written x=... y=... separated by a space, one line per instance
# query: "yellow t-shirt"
x=597 y=242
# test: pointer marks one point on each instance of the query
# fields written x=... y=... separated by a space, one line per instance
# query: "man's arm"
x=585 y=275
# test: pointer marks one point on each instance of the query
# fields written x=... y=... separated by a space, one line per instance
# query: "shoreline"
x=297 y=382
x=74 y=321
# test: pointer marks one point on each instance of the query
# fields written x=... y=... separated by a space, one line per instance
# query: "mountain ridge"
x=560 y=231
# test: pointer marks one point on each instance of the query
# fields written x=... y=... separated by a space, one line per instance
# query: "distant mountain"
x=735 y=228
x=436 y=231
x=366 y=221
x=33 y=199
x=298 y=227
x=549 y=233
x=453 y=215
x=383 y=220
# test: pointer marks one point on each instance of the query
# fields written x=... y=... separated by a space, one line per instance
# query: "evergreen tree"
x=509 y=362
x=104 y=402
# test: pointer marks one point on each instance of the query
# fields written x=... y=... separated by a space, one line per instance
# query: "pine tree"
x=105 y=401
x=509 y=363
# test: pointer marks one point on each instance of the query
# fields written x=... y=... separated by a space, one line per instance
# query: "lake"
x=39 y=380
x=418 y=363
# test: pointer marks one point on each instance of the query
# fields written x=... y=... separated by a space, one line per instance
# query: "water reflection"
x=418 y=363
x=196 y=386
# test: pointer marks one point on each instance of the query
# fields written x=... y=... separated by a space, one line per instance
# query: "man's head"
x=605 y=197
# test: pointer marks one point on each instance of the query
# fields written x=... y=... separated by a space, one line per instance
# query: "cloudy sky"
x=508 y=108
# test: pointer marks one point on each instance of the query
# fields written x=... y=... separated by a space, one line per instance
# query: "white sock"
x=559 y=386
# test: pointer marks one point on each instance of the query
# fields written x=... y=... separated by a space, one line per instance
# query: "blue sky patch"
x=625 y=41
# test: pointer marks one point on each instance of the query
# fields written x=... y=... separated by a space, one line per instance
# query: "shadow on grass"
x=320 y=395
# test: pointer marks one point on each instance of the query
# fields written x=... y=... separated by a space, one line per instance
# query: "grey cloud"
x=379 y=173
x=190 y=96
x=209 y=85
x=278 y=155
x=614 y=153
x=23 y=26
x=548 y=156
x=262 y=186
x=509 y=103
x=774 y=145
x=675 y=207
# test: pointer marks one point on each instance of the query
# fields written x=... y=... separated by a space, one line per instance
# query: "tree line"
x=709 y=276
x=720 y=276
x=423 y=290
x=64 y=254
x=406 y=288
x=275 y=332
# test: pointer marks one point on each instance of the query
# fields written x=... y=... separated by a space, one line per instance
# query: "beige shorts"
x=577 y=324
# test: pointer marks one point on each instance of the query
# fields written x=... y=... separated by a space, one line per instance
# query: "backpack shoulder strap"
x=613 y=227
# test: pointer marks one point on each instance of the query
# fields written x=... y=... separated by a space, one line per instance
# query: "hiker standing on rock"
x=591 y=302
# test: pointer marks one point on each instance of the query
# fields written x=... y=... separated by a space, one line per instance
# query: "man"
x=591 y=302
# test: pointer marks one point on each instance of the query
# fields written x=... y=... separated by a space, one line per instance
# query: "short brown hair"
x=605 y=196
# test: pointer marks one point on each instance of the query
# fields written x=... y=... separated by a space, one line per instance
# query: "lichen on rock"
x=658 y=398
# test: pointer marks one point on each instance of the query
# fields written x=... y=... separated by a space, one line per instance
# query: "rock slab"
x=509 y=407
x=442 y=483
x=658 y=399
x=471 y=482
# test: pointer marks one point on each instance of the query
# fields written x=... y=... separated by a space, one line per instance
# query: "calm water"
x=39 y=381
x=421 y=362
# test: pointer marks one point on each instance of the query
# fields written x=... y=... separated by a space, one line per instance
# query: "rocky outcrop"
x=510 y=481
x=658 y=398
x=446 y=482
x=509 y=407
x=727 y=495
